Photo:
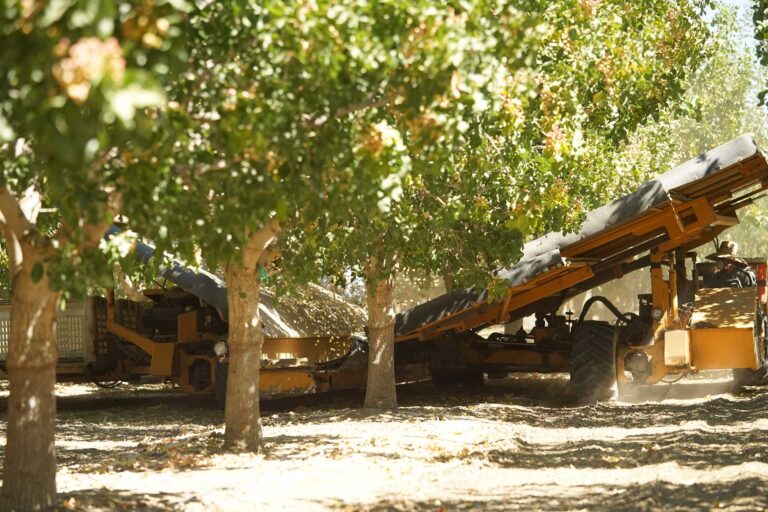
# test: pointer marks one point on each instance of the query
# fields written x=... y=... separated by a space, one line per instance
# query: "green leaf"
x=54 y=11
x=125 y=101
x=37 y=272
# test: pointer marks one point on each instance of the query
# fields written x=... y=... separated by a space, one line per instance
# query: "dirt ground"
x=698 y=444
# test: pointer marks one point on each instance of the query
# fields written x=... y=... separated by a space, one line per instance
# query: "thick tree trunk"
x=246 y=337
x=241 y=413
x=29 y=473
x=380 y=390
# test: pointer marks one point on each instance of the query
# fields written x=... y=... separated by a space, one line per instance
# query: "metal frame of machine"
x=173 y=337
x=656 y=226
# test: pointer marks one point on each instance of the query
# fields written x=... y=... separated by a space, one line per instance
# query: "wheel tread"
x=593 y=361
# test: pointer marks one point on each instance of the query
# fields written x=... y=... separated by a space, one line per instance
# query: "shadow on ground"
x=745 y=495
x=517 y=423
x=93 y=500
x=694 y=449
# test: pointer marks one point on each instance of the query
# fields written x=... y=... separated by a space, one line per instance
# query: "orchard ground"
x=516 y=444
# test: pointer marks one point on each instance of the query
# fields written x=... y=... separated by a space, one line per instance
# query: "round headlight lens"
x=220 y=349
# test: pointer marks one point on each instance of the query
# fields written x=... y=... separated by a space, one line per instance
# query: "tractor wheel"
x=593 y=362
x=759 y=377
x=456 y=378
x=748 y=377
x=221 y=383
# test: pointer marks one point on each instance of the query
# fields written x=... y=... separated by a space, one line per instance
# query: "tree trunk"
x=246 y=337
x=29 y=473
x=241 y=413
x=380 y=390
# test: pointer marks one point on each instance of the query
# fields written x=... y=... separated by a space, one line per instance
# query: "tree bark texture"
x=380 y=390
x=29 y=472
x=241 y=412
x=246 y=337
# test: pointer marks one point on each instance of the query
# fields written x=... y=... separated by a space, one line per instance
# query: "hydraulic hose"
x=608 y=304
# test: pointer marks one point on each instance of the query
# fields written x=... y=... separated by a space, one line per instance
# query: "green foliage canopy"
x=81 y=85
x=513 y=147
x=296 y=112
x=721 y=103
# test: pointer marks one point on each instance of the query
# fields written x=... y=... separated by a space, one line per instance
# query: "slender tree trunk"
x=29 y=473
x=241 y=413
x=380 y=390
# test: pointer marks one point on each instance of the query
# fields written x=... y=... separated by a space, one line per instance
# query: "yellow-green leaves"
x=82 y=87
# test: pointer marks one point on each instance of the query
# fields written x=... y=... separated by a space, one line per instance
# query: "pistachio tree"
x=282 y=124
x=545 y=150
x=723 y=103
x=720 y=103
x=79 y=92
x=304 y=143
x=760 y=19
x=517 y=140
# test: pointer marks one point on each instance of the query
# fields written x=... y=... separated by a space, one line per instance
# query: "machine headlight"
x=657 y=314
x=220 y=349
x=638 y=364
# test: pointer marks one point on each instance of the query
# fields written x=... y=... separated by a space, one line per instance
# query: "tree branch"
x=92 y=233
x=18 y=229
x=31 y=203
x=269 y=255
x=128 y=287
x=188 y=174
x=95 y=232
x=384 y=101
x=426 y=193
x=12 y=215
x=101 y=161
x=257 y=242
x=368 y=103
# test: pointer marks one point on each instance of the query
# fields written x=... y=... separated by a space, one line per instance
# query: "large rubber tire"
x=747 y=377
x=221 y=383
x=457 y=378
x=759 y=377
x=593 y=362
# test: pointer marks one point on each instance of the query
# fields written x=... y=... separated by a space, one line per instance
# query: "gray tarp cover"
x=544 y=252
x=312 y=311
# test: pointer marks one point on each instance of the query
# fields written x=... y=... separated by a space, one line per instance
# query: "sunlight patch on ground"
x=508 y=446
x=311 y=485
